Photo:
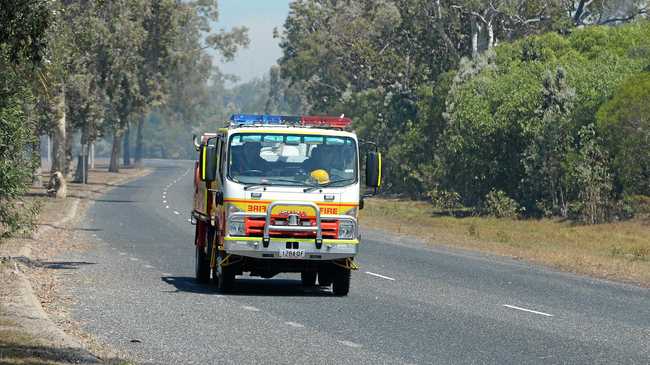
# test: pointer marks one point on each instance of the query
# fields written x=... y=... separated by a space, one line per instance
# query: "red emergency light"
x=324 y=121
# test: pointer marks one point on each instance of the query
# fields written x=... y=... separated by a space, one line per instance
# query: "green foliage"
x=445 y=200
x=514 y=127
x=497 y=204
x=624 y=121
x=590 y=172
x=22 y=45
x=16 y=160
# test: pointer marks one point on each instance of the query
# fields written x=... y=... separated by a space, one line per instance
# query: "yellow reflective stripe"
x=203 y=163
x=379 y=178
x=302 y=240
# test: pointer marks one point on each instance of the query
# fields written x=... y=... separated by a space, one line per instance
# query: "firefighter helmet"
x=320 y=176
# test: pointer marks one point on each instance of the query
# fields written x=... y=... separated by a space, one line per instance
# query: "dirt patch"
x=35 y=326
x=616 y=251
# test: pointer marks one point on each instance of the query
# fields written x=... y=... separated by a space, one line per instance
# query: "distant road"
x=407 y=304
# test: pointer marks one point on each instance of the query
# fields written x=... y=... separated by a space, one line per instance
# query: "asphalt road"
x=408 y=303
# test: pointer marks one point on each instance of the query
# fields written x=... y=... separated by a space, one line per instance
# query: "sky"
x=260 y=16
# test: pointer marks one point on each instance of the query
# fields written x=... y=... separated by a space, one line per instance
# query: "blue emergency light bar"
x=251 y=119
x=309 y=121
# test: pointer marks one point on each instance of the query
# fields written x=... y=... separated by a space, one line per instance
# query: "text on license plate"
x=292 y=254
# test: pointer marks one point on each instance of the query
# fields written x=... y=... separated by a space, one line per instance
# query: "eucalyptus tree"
x=22 y=46
x=176 y=67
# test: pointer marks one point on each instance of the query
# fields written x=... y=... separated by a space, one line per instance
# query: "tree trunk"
x=36 y=173
x=59 y=136
x=139 y=148
x=91 y=154
x=475 y=33
x=490 y=32
x=69 y=160
x=114 y=165
x=126 y=150
x=81 y=173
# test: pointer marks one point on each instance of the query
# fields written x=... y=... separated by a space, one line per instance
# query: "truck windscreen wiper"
x=314 y=187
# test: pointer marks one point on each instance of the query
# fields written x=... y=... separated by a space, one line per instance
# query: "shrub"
x=444 y=200
x=498 y=204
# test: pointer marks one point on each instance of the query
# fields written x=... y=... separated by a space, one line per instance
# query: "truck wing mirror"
x=208 y=162
x=373 y=169
x=195 y=141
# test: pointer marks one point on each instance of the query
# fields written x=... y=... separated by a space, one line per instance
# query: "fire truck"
x=276 y=194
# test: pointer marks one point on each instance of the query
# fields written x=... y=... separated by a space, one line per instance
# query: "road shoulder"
x=34 y=327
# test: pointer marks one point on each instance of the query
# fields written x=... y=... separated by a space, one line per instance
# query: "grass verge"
x=619 y=251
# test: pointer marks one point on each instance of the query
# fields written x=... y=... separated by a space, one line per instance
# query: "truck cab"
x=280 y=194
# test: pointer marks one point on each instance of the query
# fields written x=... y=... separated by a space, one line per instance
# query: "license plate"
x=292 y=254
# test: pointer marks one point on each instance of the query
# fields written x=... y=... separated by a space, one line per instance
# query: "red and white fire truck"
x=277 y=194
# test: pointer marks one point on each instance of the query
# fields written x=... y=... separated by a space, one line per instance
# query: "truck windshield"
x=292 y=160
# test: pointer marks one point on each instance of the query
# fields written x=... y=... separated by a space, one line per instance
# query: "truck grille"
x=255 y=227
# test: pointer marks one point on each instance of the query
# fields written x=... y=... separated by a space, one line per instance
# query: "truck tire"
x=201 y=265
x=325 y=277
x=341 y=282
x=308 y=278
x=225 y=275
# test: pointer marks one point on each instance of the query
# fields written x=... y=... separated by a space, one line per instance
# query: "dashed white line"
x=164 y=201
x=166 y=274
x=294 y=324
x=349 y=344
x=166 y=206
x=249 y=308
x=123 y=253
x=134 y=259
x=148 y=266
x=380 y=276
x=176 y=212
x=527 y=310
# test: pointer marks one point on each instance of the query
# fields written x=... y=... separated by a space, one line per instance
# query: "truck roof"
x=275 y=129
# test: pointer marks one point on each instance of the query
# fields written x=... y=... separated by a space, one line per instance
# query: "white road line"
x=134 y=259
x=166 y=274
x=148 y=266
x=527 y=310
x=177 y=213
x=380 y=276
x=249 y=308
x=349 y=343
x=123 y=253
x=166 y=206
x=164 y=201
x=294 y=324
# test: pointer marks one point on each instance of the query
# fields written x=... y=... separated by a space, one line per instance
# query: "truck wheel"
x=201 y=265
x=341 y=283
x=308 y=278
x=225 y=276
x=325 y=278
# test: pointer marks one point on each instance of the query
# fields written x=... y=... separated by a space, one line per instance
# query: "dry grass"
x=618 y=251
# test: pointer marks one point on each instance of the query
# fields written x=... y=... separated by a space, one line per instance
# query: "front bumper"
x=331 y=249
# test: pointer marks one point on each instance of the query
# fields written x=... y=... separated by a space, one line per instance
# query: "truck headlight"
x=236 y=226
x=347 y=229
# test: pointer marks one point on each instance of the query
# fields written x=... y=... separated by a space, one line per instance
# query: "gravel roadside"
x=35 y=327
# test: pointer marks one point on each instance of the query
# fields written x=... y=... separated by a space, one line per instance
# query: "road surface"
x=408 y=303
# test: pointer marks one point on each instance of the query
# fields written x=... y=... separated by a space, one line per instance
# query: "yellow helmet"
x=320 y=176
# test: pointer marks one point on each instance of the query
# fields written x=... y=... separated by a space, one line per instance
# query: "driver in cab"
x=247 y=160
x=322 y=164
